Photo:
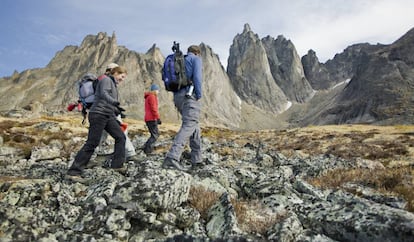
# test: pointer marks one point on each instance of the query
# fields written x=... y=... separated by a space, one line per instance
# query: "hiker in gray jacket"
x=102 y=116
x=130 y=153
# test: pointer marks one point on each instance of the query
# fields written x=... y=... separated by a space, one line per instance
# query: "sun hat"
x=155 y=87
x=111 y=66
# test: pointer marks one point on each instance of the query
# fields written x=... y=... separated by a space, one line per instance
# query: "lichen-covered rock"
x=149 y=203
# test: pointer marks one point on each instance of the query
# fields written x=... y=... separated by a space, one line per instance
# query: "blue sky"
x=32 y=31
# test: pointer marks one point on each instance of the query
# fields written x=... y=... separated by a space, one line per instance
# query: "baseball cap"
x=155 y=87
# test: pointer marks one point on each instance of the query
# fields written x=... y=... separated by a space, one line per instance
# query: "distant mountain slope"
x=380 y=88
x=266 y=85
x=55 y=86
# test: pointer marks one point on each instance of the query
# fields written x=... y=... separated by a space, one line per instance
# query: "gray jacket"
x=106 y=97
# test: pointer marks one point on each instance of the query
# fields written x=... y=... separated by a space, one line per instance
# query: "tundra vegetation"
x=391 y=146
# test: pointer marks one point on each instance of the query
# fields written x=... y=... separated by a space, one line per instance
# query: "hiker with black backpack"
x=102 y=116
x=187 y=101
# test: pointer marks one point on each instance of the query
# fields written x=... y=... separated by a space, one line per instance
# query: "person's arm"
x=197 y=77
x=152 y=101
x=104 y=88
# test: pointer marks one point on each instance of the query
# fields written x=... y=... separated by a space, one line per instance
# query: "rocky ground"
x=320 y=183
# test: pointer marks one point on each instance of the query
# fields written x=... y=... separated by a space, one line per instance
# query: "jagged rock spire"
x=249 y=72
x=246 y=28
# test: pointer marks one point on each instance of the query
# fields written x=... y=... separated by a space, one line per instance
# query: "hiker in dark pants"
x=102 y=116
x=187 y=101
x=152 y=117
x=129 y=147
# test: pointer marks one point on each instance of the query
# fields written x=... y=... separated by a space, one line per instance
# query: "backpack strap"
x=84 y=113
x=180 y=59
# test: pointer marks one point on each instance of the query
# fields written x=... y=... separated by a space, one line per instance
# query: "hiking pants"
x=189 y=109
x=153 y=129
x=97 y=124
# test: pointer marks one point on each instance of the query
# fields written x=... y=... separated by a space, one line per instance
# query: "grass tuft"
x=396 y=181
x=252 y=216
x=202 y=200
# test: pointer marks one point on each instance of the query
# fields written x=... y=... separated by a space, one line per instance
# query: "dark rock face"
x=377 y=92
x=380 y=87
x=341 y=68
x=402 y=49
x=316 y=73
x=286 y=68
x=249 y=71
x=364 y=84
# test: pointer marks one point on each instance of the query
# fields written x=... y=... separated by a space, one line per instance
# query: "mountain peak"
x=246 y=28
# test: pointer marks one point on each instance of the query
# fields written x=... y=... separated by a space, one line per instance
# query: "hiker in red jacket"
x=152 y=117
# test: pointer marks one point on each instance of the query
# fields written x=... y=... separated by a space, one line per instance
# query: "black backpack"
x=173 y=71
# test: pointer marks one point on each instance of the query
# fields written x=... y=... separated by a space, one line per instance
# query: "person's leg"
x=114 y=129
x=190 y=122
x=153 y=129
x=100 y=149
x=97 y=123
x=195 y=145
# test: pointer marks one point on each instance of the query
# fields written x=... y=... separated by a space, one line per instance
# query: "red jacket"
x=151 y=106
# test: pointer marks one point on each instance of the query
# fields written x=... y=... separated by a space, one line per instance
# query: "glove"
x=72 y=106
x=159 y=121
x=120 y=109
x=124 y=126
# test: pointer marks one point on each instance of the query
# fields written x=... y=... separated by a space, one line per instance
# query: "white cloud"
x=326 y=26
x=374 y=22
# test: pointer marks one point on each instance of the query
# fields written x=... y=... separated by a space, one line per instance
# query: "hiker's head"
x=119 y=73
x=155 y=88
x=110 y=67
x=195 y=49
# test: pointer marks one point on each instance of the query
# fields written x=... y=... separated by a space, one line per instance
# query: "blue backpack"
x=173 y=71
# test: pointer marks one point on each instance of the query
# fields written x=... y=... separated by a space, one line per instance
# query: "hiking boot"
x=75 y=178
x=132 y=158
x=108 y=165
x=170 y=163
x=148 y=150
x=197 y=165
x=122 y=170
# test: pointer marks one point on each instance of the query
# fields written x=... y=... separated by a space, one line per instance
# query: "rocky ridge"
x=266 y=84
x=249 y=71
x=259 y=190
x=55 y=86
